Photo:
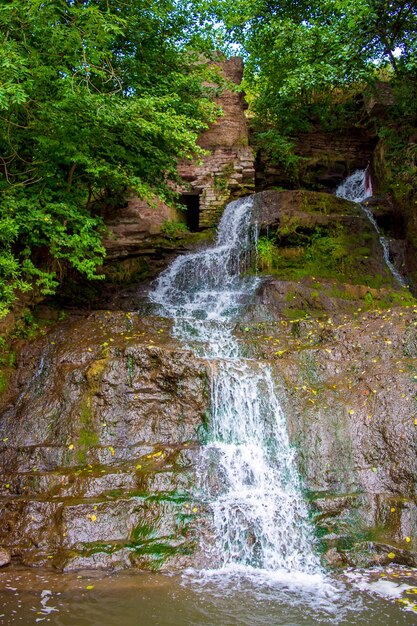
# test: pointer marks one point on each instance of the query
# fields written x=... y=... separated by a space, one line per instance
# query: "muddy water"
x=379 y=598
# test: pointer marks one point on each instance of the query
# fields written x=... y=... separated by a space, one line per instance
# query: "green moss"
x=326 y=204
x=3 y=381
x=130 y=366
x=338 y=292
x=221 y=181
x=97 y=547
x=154 y=554
x=88 y=436
x=175 y=496
x=172 y=229
x=142 y=532
x=296 y=314
x=332 y=252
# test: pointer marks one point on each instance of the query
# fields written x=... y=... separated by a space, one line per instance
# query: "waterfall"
x=247 y=470
x=357 y=188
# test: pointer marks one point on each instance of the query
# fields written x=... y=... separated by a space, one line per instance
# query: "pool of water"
x=378 y=597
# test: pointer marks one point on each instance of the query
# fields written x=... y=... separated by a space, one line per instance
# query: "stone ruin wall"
x=226 y=171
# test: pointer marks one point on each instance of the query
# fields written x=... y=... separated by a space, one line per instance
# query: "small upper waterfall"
x=357 y=188
x=247 y=469
x=204 y=291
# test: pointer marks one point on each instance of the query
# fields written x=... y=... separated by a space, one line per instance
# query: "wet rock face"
x=353 y=416
x=348 y=384
x=271 y=207
x=98 y=444
x=5 y=557
x=345 y=361
x=326 y=159
x=101 y=424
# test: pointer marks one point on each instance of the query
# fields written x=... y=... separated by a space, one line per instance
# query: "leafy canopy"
x=298 y=51
x=96 y=97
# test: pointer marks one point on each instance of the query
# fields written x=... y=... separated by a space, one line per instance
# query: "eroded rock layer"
x=98 y=438
x=103 y=415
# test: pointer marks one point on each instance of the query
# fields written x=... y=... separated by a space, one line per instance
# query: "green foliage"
x=307 y=62
x=294 y=253
x=332 y=249
x=173 y=229
x=267 y=254
x=97 y=98
x=3 y=382
x=400 y=159
x=278 y=148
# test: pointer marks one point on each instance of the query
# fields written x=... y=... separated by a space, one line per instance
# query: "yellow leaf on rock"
x=391 y=555
x=90 y=587
x=408 y=539
x=393 y=509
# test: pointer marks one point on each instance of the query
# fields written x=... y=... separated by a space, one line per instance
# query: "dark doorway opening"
x=192 y=216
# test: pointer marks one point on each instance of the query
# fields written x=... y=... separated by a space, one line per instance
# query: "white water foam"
x=357 y=188
x=247 y=469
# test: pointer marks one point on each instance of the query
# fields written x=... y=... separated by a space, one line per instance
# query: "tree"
x=97 y=97
x=298 y=52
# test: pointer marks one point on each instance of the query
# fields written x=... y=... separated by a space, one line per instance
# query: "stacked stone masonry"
x=226 y=171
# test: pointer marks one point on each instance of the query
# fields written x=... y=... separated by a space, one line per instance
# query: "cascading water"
x=357 y=188
x=247 y=468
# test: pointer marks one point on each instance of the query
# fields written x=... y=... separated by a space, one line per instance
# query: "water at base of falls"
x=247 y=470
x=357 y=188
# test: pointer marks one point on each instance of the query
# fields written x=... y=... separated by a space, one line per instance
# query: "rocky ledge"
x=102 y=420
x=98 y=434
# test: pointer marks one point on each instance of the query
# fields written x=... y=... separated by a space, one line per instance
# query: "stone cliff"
x=98 y=434
x=104 y=414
